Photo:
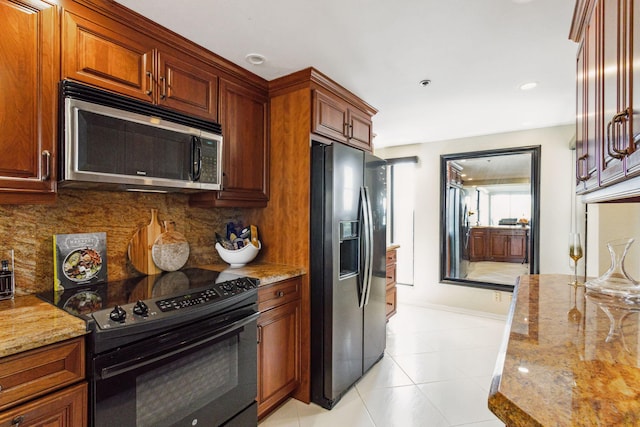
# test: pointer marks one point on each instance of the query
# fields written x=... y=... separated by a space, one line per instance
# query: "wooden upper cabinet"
x=245 y=147
x=188 y=85
x=330 y=117
x=633 y=85
x=113 y=56
x=28 y=102
x=587 y=111
x=609 y=127
x=340 y=121
x=109 y=55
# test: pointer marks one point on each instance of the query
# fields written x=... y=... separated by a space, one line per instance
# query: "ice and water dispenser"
x=349 y=248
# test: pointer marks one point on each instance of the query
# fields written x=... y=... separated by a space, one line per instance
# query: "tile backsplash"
x=29 y=229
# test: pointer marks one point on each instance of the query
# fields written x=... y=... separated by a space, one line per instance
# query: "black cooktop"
x=164 y=294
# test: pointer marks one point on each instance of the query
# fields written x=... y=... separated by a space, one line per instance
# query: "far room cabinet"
x=116 y=57
x=278 y=343
x=29 y=72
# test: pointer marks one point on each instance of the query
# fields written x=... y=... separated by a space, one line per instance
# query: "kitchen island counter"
x=560 y=365
x=29 y=322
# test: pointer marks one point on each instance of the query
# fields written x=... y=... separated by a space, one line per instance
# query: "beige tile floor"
x=436 y=371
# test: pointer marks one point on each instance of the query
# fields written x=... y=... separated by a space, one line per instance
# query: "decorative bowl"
x=238 y=257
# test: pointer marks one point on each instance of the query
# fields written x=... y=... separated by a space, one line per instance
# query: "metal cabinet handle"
x=613 y=136
x=280 y=294
x=17 y=420
x=582 y=160
x=46 y=163
x=163 y=94
x=259 y=334
x=150 y=77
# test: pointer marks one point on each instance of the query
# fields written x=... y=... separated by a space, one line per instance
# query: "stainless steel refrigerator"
x=348 y=268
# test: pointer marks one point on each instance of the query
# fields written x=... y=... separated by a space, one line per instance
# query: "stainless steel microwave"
x=113 y=142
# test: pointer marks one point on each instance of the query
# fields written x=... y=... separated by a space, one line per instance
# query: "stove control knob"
x=141 y=309
x=118 y=314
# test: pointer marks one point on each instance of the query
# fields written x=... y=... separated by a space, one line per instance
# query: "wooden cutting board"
x=141 y=244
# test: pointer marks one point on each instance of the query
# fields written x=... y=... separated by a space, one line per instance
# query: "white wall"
x=556 y=180
x=611 y=221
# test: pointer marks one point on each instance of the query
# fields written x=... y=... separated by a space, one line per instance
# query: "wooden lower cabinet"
x=65 y=408
x=278 y=343
x=499 y=244
x=45 y=386
x=392 y=294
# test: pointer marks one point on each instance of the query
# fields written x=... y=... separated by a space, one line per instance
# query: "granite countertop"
x=560 y=365
x=267 y=273
x=28 y=322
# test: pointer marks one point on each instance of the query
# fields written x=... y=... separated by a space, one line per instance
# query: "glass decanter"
x=616 y=281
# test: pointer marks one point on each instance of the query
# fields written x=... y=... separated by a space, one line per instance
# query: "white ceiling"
x=476 y=53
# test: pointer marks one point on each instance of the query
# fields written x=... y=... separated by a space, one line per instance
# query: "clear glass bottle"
x=616 y=281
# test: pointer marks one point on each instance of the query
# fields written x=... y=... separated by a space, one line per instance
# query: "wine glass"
x=575 y=253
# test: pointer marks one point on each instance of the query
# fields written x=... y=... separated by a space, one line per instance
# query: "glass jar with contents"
x=6 y=280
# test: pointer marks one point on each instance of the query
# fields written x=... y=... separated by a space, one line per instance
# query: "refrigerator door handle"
x=364 y=234
x=369 y=231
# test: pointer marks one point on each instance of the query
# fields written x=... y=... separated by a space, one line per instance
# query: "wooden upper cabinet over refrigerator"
x=105 y=53
x=28 y=105
x=338 y=120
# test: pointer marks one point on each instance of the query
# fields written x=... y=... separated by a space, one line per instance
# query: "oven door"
x=200 y=374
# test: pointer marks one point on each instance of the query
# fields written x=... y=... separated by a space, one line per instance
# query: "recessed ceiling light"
x=255 y=59
x=425 y=82
x=528 y=85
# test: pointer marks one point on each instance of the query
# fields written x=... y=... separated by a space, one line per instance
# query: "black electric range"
x=119 y=312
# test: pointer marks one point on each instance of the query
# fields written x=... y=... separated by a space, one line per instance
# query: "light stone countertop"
x=29 y=322
x=558 y=366
x=267 y=273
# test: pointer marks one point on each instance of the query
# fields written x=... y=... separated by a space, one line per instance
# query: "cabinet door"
x=498 y=246
x=632 y=92
x=28 y=99
x=587 y=131
x=517 y=247
x=278 y=354
x=188 y=85
x=360 y=126
x=108 y=55
x=243 y=116
x=66 y=408
x=477 y=245
x=330 y=117
x=611 y=162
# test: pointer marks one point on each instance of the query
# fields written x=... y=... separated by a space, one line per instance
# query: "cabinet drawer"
x=391 y=275
x=392 y=296
x=43 y=370
x=278 y=293
x=391 y=257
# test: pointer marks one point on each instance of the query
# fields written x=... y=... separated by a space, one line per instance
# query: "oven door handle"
x=121 y=368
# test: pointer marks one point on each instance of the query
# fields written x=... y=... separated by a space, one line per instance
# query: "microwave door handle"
x=196 y=158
